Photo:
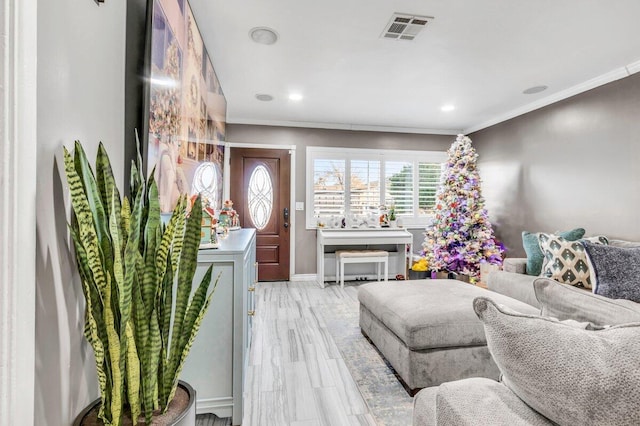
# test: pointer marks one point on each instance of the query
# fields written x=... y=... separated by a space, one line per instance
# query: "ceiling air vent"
x=405 y=27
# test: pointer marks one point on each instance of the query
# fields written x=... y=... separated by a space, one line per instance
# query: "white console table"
x=216 y=365
x=354 y=237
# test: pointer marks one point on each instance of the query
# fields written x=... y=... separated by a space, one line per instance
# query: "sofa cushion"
x=624 y=243
x=424 y=407
x=480 y=401
x=616 y=270
x=534 y=254
x=517 y=286
x=565 y=302
x=515 y=264
x=566 y=261
x=428 y=314
x=571 y=375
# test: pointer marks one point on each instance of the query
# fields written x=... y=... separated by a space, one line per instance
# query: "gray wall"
x=305 y=244
x=571 y=164
x=80 y=95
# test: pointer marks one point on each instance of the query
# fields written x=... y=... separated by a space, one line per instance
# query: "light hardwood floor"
x=296 y=375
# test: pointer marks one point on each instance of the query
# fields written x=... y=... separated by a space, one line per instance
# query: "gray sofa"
x=429 y=333
x=512 y=281
x=482 y=401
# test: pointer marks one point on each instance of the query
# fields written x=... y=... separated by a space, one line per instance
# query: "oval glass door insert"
x=260 y=197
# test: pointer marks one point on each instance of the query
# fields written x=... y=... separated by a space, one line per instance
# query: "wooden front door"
x=260 y=189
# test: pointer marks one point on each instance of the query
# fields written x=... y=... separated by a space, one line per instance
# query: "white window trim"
x=18 y=81
x=382 y=155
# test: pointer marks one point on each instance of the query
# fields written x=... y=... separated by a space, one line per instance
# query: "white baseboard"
x=304 y=277
x=221 y=407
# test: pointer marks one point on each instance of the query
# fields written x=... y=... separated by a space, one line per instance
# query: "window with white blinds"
x=364 y=191
x=328 y=187
x=428 y=181
x=348 y=181
x=399 y=188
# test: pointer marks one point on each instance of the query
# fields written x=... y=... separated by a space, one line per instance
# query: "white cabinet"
x=215 y=366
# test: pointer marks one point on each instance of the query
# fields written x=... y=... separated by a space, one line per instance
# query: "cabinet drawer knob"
x=251 y=313
x=252 y=289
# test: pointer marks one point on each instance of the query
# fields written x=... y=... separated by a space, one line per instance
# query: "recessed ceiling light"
x=264 y=97
x=447 y=108
x=534 y=89
x=263 y=35
x=295 y=97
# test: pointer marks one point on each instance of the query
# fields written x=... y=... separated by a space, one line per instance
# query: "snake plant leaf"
x=141 y=333
x=94 y=200
x=191 y=324
x=87 y=231
x=178 y=235
x=124 y=287
x=139 y=157
x=106 y=181
x=90 y=243
x=130 y=260
x=186 y=270
x=137 y=179
x=133 y=373
x=165 y=304
x=113 y=349
x=195 y=306
x=185 y=351
x=153 y=354
x=91 y=325
x=150 y=278
x=165 y=247
x=125 y=220
x=134 y=182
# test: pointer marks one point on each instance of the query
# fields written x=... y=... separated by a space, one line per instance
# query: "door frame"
x=292 y=198
x=18 y=132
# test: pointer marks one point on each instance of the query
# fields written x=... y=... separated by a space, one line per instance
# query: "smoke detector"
x=403 y=26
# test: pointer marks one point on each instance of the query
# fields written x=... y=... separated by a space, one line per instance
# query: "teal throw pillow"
x=531 y=245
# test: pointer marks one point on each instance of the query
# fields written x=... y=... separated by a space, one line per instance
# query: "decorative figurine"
x=229 y=217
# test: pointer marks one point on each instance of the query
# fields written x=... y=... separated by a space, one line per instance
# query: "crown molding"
x=601 y=80
x=633 y=67
x=342 y=126
x=613 y=75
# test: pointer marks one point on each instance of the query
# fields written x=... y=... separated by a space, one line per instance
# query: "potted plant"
x=139 y=326
x=392 y=217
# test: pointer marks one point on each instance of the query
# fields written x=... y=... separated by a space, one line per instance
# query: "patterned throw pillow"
x=531 y=245
x=566 y=261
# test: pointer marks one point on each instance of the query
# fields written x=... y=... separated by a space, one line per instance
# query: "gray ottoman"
x=428 y=331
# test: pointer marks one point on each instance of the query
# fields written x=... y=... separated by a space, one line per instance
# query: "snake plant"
x=140 y=329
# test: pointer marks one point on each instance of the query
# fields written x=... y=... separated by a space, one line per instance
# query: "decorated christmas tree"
x=460 y=237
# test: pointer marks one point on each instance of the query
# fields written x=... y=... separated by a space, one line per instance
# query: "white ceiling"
x=477 y=54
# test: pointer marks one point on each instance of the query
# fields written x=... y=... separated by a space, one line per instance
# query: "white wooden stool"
x=361 y=256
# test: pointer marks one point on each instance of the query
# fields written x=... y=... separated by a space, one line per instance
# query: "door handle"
x=286 y=217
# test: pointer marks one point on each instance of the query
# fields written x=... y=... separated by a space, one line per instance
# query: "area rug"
x=388 y=402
